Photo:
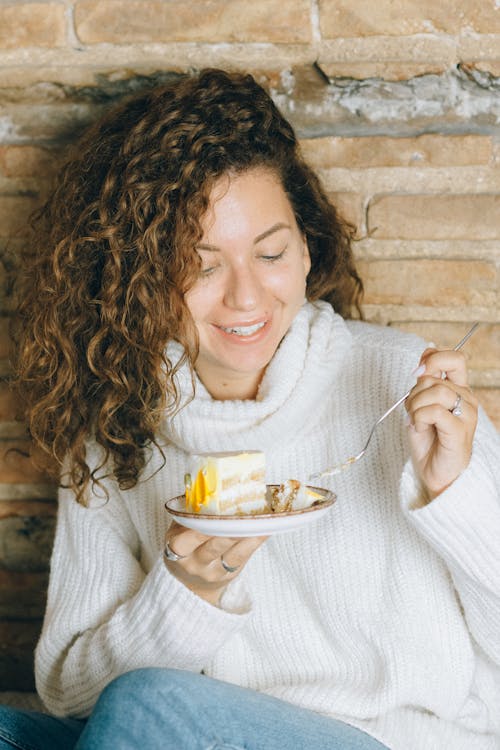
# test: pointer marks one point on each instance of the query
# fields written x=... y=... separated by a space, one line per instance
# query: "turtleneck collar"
x=295 y=384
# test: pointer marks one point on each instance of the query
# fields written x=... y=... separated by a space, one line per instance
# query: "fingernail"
x=418 y=371
x=407 y=420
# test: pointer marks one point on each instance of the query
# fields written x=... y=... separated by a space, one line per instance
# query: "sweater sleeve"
x=463 y=526
x=106 y=615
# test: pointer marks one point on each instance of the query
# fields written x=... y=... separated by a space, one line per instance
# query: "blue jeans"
x=30 y=730
x=167 y=709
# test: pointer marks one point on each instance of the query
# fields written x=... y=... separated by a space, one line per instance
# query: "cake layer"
x=226 y=483
x=292 y=495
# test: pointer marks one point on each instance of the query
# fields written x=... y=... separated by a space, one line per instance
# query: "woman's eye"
x=273 y=258
x=207 y=271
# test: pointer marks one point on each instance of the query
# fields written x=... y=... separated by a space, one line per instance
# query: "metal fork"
x=338 y=468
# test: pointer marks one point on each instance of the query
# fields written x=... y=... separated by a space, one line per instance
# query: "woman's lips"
x=244 y=332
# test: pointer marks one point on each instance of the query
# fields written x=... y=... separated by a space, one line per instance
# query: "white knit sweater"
x=386 y=614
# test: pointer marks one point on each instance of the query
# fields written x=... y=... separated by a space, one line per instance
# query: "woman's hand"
x=201 y=561
x=443 y=415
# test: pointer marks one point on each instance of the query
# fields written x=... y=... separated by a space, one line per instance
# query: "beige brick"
x=381 y=151
x=8 y=404
x=489 y=66
x=32 y=25
x=16 y=464
x=429 y=49
x=373 y=249
x=8 y=267
x=473 y=48
x=482 y=349
x=24 y=491
x=22 y=594
x=51 y=121
x=121 y=22
x=13 y=430
x=63 y=70
x=26 y=542
x=437 y=283
x=353 y=18
x=25 y=508
x=389 y=70
x=14 y=215
x=5 y=342
x=385 y=181
x=489 y=398
x=26 y=161
x=6 y=305
x=496 y=154
x=473 y=216
x=350 y=206
x=393 y=314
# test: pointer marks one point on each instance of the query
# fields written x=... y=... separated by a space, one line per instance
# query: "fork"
x=338 y=468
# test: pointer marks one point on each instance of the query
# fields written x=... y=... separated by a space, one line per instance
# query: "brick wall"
x=401 y=120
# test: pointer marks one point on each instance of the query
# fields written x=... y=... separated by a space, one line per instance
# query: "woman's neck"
x=231 y=388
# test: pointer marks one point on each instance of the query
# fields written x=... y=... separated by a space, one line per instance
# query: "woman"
x=192 y=291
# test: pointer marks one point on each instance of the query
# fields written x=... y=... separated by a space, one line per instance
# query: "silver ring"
x=228 y=568
x=456 y=409
x=171 y=555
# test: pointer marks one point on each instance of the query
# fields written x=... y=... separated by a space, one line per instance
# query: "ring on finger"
x=456 y=409
x=171 y=555
x=228 y=568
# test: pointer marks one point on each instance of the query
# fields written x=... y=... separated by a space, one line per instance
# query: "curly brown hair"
x=114 y=253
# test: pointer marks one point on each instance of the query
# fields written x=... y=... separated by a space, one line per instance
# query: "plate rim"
x=329 y=499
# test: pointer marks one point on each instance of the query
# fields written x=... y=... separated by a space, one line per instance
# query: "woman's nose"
x=244 y=290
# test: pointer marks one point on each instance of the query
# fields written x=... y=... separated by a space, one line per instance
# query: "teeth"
x=244 y=330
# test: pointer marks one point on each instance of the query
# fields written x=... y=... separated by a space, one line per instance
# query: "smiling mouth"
x=243 y=330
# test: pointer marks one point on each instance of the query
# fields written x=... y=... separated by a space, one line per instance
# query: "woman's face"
x=252 y=282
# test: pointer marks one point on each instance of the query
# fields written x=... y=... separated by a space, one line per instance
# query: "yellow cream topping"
x=200 y=492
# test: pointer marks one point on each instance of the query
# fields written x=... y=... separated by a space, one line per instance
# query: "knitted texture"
x=385 y=614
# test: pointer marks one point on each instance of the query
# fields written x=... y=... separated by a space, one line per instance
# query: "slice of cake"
x=227 y=483
x=292 y=495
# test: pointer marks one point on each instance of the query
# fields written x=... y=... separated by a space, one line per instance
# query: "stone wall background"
x=397 y=105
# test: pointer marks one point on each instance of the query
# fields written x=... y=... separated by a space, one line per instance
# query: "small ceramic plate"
x=262 y=524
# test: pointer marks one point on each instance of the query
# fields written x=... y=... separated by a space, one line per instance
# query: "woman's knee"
x=139 y=684
x=158 y=703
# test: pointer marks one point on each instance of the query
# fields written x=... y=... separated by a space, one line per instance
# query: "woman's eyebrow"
x=275 y=228
x=211 y=248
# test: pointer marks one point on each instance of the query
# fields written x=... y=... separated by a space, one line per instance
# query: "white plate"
x=262 y=524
